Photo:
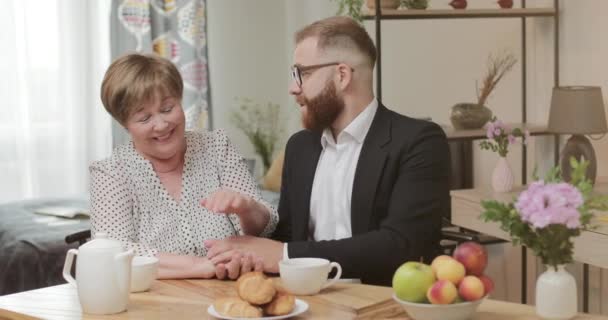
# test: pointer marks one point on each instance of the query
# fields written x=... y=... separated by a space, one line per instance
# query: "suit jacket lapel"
x=369 y=170
x=306 y=172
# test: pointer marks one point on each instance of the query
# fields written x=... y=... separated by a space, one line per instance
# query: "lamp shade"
x=577 y=110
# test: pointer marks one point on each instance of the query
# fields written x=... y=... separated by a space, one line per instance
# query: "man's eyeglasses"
x=298 y=70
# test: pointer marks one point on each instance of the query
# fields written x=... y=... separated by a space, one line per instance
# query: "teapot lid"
x=101 y=241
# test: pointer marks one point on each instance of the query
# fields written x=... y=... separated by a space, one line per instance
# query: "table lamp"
x=579 y=111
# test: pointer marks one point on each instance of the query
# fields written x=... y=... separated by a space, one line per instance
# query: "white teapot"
x=103 y=275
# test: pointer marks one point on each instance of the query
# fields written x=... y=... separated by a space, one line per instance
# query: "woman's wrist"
x=203 y=268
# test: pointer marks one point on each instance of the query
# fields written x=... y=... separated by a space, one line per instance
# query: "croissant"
x=282 y=304
x=235 y=307
x=255 y=288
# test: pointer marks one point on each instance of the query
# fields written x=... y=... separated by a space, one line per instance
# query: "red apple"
x=473 y=256
x=442 y=292
x=447 y=268
x=488 y=284
x=471 y=288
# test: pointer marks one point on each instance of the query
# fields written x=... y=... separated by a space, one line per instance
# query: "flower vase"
x=502 y=176
x=556 y=294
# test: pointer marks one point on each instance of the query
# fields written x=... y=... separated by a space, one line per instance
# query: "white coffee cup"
x=143 y=273
x=307 y=276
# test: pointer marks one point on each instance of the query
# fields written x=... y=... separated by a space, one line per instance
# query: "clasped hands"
x=239 y=254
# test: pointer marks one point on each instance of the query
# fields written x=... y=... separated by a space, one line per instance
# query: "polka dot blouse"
x=129 y=202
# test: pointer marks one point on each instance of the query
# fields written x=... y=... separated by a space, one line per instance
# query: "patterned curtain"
x=173 y=29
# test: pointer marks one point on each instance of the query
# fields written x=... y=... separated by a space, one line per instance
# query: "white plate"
x=300 y=307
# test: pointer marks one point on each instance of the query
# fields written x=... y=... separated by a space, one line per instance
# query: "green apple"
x=412 y=280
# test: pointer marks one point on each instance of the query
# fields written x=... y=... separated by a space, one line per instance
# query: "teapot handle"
x=67 y=266
x=122 y=274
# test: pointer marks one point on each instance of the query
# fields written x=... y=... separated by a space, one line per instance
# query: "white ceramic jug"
x=103 y=275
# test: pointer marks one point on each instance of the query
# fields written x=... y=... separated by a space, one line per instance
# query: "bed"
x=32 y=245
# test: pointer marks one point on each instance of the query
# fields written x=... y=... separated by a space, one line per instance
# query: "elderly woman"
x=168 y=190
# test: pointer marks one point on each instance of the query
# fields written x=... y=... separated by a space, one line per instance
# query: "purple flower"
x=511 y=139
x=554 y=203
x=490 y=130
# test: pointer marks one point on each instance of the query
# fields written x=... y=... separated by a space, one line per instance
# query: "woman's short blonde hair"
x=135 y=79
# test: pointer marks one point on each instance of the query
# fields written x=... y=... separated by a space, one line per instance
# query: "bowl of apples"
x=451 y=288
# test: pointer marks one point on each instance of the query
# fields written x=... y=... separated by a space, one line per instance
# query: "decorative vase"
x=459 y=4
x=502 y=176
x=556 y=294
x=469 y=116
x=505 y=4
x=384 y=4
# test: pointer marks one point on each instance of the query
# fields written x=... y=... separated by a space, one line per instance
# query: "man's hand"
x=236 y=264
x=228 y=201
x=270 y=251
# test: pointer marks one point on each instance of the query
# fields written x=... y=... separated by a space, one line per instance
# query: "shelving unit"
x=460 y=14
x=474 y=134
x=468 y=135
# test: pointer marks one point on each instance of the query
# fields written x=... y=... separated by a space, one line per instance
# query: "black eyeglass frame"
x=297 y=70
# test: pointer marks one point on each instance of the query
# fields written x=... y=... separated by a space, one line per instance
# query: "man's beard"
x=323 y=109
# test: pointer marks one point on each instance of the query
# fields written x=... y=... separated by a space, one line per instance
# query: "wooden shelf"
x=405 y=14
x=475 y=134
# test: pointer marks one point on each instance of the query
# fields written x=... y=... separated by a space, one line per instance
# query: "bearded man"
x=362 y=185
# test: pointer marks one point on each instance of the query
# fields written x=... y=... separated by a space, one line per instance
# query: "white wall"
x=247 y=58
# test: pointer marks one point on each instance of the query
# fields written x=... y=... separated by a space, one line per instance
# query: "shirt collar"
x=357 y=128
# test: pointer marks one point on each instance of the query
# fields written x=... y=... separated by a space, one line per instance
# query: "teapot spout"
x=122 y=268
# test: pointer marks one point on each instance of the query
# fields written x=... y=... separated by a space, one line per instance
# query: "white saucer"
x=300 y=307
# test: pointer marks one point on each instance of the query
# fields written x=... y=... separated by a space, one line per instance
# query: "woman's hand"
x=230 y=266
x=253 y=216
x=236 y=263
x=228 y=201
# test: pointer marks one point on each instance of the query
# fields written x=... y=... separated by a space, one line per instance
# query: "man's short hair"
x=134 y=79
x=340 y=33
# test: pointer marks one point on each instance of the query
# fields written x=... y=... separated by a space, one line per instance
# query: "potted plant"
x=500 y=137
x=415 y=4
x=262 y=124
x=352 y=8
x=545 y=218
x=384 y=4
x=476 y=115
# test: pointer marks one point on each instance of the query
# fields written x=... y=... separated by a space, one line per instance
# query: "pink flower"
x=490 y=130
x=554 y=203
x=511 y=139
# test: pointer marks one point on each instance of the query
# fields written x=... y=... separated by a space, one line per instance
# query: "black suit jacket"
x=400 y=192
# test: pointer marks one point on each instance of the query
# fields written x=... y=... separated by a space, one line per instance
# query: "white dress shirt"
x=330 y=200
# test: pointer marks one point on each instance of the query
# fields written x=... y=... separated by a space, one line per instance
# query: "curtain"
x=52 y=123
x=175 y=30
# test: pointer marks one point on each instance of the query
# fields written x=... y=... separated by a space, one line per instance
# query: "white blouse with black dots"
x=130 y=204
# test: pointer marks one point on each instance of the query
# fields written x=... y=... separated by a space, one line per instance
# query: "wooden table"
x=189 y=299
x=590 y=247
